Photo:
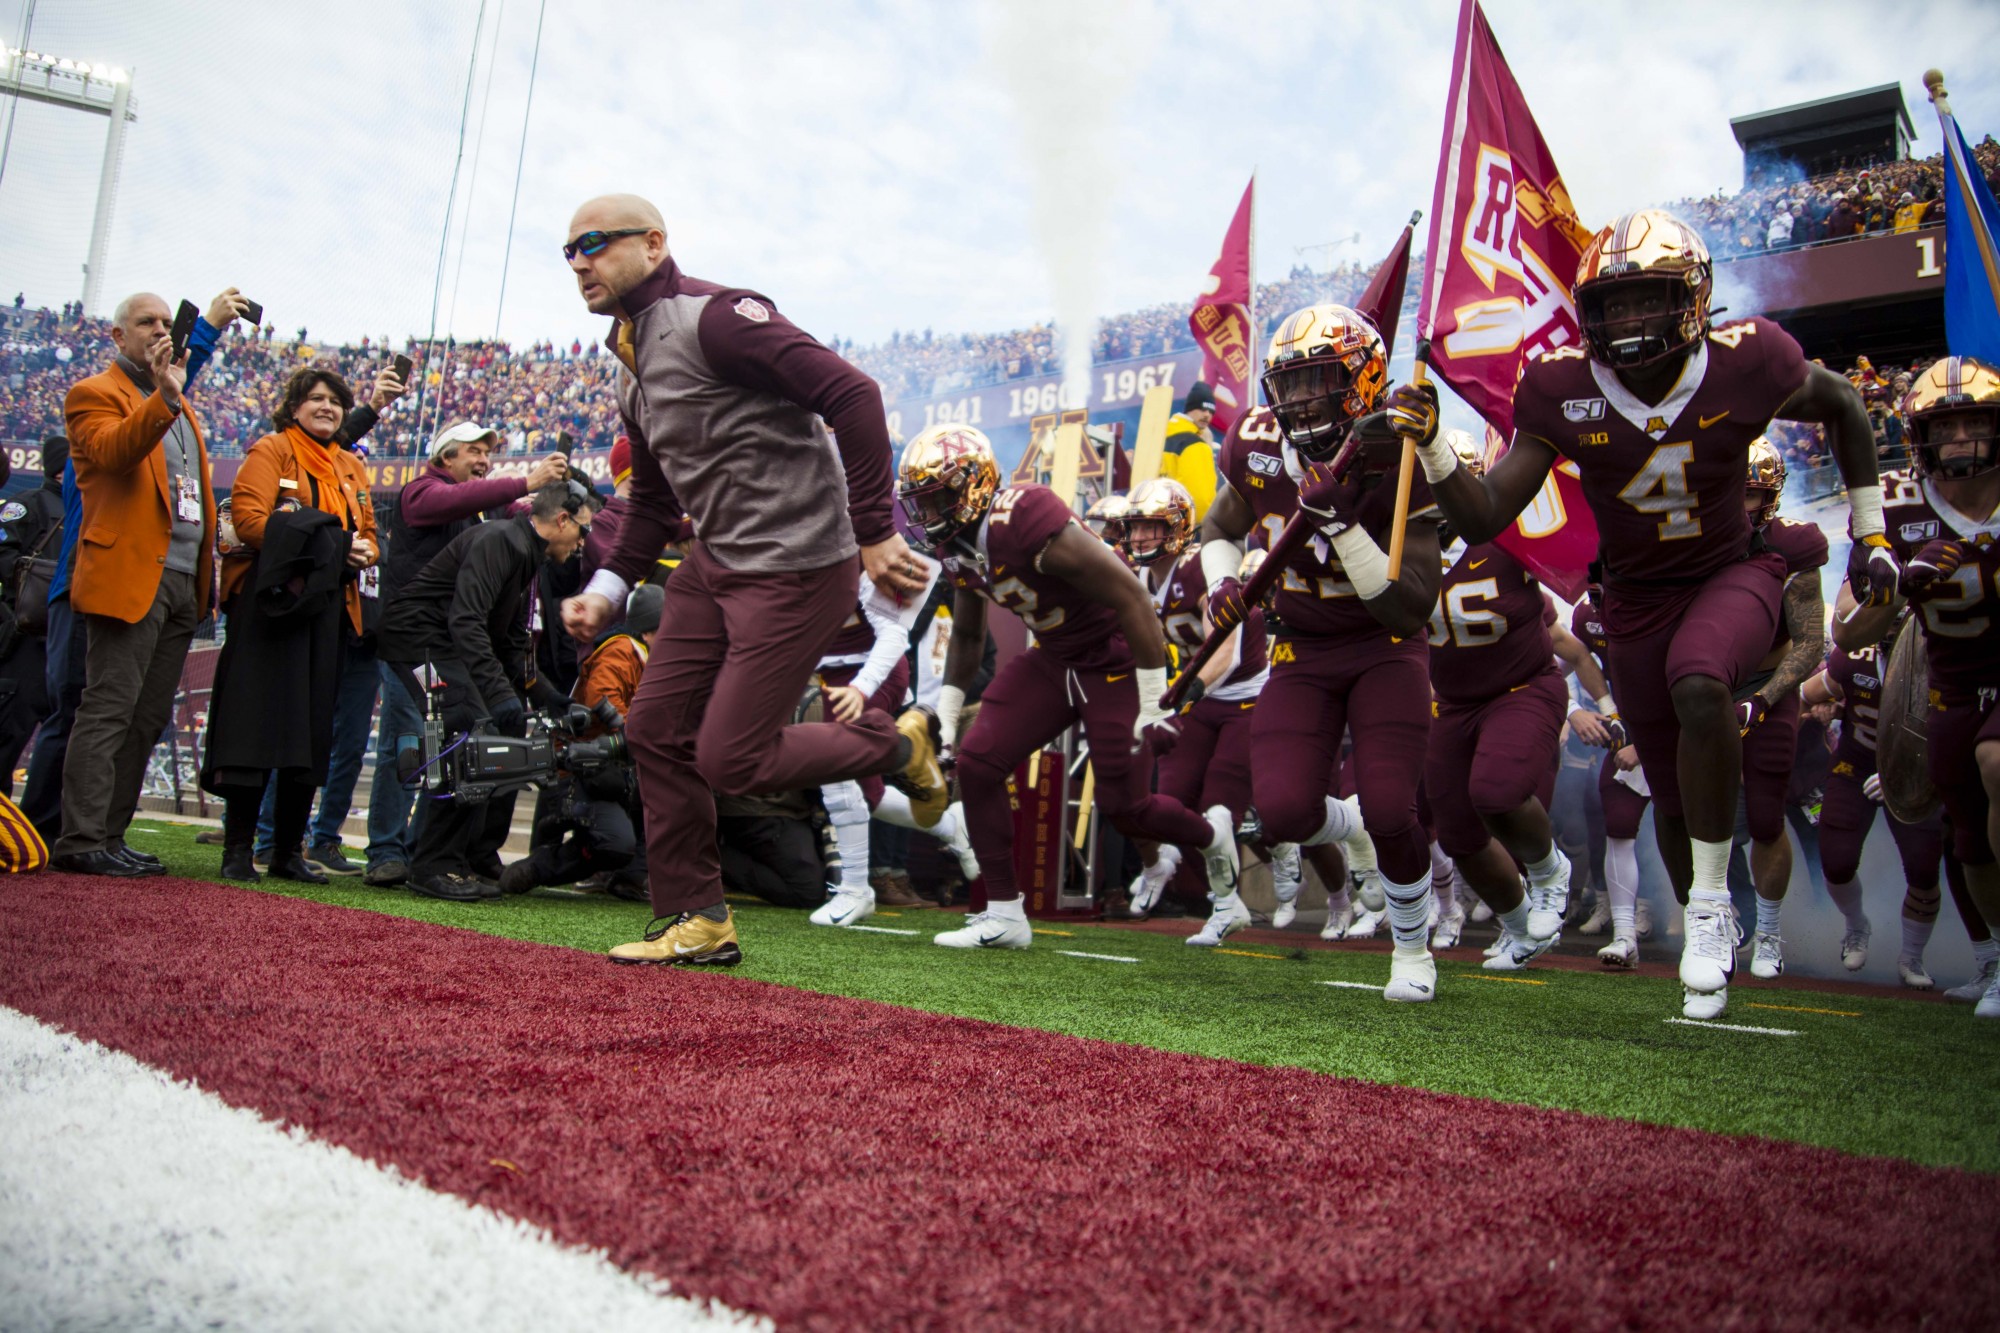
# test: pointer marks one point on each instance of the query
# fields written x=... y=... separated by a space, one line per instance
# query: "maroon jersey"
x=1489 y=633
x=1665 y=482
x=1181 y=598
x=1076 y=631
x=1858 y=677
x=1314 y=598
x=1804 y=548
x=1960 y=614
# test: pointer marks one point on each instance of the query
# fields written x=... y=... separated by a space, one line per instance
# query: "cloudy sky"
x=873 y=166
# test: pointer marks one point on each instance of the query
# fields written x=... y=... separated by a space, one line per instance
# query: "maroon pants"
x=1320 y=688
x=732 y=659
x=1956 y=731
x=1845 y=816
x=889 y=699
x=1211 y=763
x=1723 y=632
x=1623 y=807
x=1769 y=752
x=1489 y=758
x=1033 y=700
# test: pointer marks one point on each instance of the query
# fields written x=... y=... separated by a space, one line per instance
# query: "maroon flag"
x=1382 y=303
x=1503 y=252
x=1221 y=320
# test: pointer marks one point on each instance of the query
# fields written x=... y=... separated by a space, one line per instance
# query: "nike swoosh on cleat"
x=685 y=952
x=1706 y=422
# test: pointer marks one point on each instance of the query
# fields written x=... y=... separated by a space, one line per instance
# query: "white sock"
x=1545 y=869
x=1338 y=901
x=1441 y=869
x=1846 y=895
x=1011 y=910
x=1621 y=881
x=1985 y=951
x=1409 y=910
x=1515 y=919
x=1916 y=937
x=894 y=808
x=1767 y=914
x=1711 y=870
x=1339 y=825
x=852 y=839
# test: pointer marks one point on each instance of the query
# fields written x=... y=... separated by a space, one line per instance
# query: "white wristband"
x=1152 y=684
x=609 y=586
x=1606 y=705
x=951 y=702
x=1220 y=560
x=1439 y=460
x=1865 y=502
x=1367 y=565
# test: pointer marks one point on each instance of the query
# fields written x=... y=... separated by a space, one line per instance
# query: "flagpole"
x=1250 y=389
x=1954 y=145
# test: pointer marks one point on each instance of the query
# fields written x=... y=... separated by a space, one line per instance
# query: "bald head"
x=140 y=320
x=621 y=262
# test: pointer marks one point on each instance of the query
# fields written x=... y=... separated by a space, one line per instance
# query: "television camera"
x=476 y=765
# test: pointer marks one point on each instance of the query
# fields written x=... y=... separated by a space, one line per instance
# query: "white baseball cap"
x=463 y=432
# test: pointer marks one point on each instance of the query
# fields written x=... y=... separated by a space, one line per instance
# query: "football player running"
x=1209 y=763
x=1656 y=412
x=1098 y=657
x=1496 y=725
x=1351 y=655
x=1944 y=527
x=1767 y=705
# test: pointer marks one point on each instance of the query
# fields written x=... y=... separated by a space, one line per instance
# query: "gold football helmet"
x=1157 y=522
x=947 y=481
x=1471 y=456
x=1105 y=514
x=1326 y=366
x=1766 y=474
x=1643 y=289
x=1954 y=413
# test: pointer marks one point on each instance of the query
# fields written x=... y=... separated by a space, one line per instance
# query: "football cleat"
x=920 y=778
x=1228 y=917
x=1287 y=878
x=1340 y=919
x=1913 y=976
x=1623 y=951
x=1642 y=920
x=1450 y=928
x=1153 y=880
x=687 y=940
x=959 y=844
x=1220 y=854
x=1366 y=923
x=1854 y=947
x=1767 y=956
x=1516 y=953
x=1705 y=1006
x=846 y=907
x=1989 y=1003
x=983 y=930
x=1549 y=902
x=1599 y=920
x=1708 y=950
x=1970 y=992
x=1413 y=977
x=1499 y=943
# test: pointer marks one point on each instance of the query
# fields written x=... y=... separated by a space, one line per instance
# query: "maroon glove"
x=1331 y=503
x=1873 y=573
x=1937 y=561
x=1749 y=712
x=1164 y=736
x=1225 y=604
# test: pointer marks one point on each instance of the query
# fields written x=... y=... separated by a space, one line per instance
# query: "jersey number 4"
x=1661 y=487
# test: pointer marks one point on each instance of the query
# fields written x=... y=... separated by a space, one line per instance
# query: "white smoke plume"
x=1069 y=68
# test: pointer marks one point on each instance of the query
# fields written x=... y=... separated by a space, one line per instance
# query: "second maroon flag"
x=1221 y=320
x=1503 y=251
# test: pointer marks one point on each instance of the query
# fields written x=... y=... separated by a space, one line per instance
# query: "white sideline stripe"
x=881 y=930
x=1101 y=957
x=1351 y=985
x=128 y=1200
x=1730 y=1027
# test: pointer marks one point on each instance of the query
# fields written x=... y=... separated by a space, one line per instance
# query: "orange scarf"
x=316 y=459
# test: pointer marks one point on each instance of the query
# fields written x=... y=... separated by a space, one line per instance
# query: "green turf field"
x=1885 y=1076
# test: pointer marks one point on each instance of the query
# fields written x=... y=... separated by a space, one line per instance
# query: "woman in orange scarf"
x=263 y=721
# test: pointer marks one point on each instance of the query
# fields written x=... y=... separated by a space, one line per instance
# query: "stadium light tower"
x=101 y=90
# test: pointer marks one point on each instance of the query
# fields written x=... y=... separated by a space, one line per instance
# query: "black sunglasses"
x=593 y=242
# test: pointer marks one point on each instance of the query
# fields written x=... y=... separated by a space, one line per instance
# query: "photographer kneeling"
x=456 y=637
x=593 y=831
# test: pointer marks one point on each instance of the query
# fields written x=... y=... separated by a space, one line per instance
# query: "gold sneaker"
x=922 y=779
x=688 y=940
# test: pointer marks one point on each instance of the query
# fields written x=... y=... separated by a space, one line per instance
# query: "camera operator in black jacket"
x=456 y=636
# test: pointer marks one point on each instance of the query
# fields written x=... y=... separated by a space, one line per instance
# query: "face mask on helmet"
x=946 y=483
x=1143 y=540
x=1953 y=445
x=1312 y=398
x=931 y=508
x=1636 y=321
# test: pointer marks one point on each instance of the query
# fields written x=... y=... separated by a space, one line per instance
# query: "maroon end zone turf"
x=840 y=1163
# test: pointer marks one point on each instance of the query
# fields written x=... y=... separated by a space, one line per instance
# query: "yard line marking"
x=882 y=930
x=1351 y=985
x=880 y=913
x=1801 y=1009
x=1066 y=934
x=1101 y=957
x=1516 y=981
x=1245 y=953
x=1730 y=1027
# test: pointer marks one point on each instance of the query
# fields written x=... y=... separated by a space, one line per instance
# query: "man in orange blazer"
x=144 y=574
